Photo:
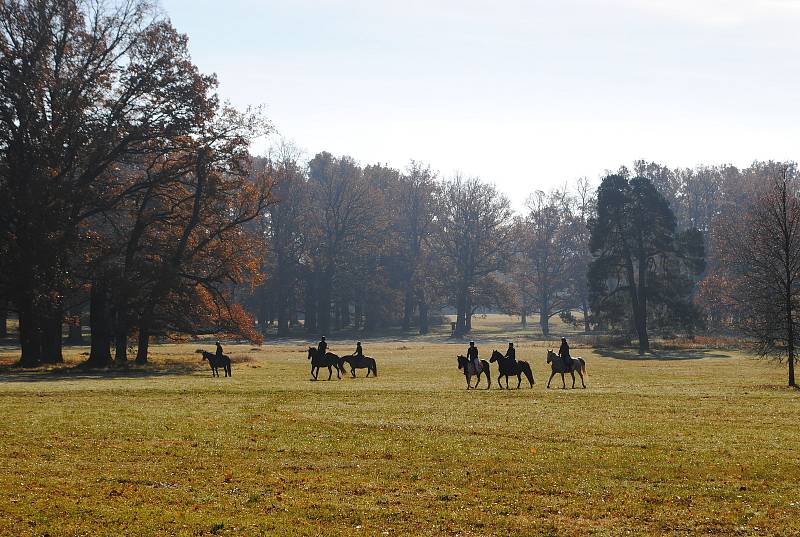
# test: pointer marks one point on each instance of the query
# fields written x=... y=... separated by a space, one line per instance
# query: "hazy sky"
x=526 y=94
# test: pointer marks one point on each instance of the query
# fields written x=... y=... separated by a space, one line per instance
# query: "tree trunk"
x=424 y=323
x=585 y=309
x=29 y=334
x=144 y=340
x=644 y=341
x=461 y=314
x=3 y=318
x=790 y=329
x=121 y=330
x=52 y=334
x=523 y=318
x=99 y=320
x=337 y=312
x=408 y=308
x=544 y=324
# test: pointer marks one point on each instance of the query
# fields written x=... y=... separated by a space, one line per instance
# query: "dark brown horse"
x=559 y=365
x=469 y=372
x=359 y=362
x=328 y=360
x=216 y=362
x=507 y=368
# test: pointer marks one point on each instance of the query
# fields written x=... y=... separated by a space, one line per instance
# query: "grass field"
x=682 y=443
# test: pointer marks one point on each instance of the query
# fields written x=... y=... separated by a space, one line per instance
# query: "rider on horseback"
x=219 y=350
x=472 y=356
x=511 y=354
x=322 y=347
x=563 y=352
x=359 y=351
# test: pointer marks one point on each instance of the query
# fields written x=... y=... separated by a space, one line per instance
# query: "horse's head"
x=311 y=352
x=201 y=351
x=462 y=361
x=495 y=356
x=551 y=355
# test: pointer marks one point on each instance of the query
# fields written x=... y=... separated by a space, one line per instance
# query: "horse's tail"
x=374 y=367
x=526 y=368
x=583 y=365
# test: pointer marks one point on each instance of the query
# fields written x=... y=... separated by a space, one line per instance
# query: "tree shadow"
x=661 y=355
x=13 y=373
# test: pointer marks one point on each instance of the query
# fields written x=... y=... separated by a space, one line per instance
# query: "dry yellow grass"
x=684 y=443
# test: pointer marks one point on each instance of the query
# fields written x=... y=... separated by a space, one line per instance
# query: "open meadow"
x=680 y=443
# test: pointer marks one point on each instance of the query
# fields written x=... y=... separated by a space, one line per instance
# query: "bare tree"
x=475 y=229
x=763 y=262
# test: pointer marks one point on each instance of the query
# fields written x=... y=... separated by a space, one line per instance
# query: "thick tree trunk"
x=3 y=318
x=100 y=321
x=52 y=335
x=310 y=304
x=337 y=312
x=30 y=337
x=345 y=313
x=282 y=310
x=544 y=324
x=461 y=314
x=144 y=340
x=523 y=318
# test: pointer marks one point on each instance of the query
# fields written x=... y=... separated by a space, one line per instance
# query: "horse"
x=216 y=362
x=507 y=369
x=359 y=362
x=557 y=365
x=469 y=370
x=328 y=360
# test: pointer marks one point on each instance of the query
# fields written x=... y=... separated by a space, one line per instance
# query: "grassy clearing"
x=685 y=443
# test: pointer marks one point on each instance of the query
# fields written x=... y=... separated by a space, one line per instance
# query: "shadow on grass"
x=661 y=355
x=13 y=373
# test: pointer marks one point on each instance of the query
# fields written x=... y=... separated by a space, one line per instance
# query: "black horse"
x=469 y=371
x=559 y=365
x=328 y=360
x=512 y=369
x=359 y=362
x=216 y=362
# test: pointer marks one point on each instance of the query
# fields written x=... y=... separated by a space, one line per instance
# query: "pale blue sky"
x=526 y=94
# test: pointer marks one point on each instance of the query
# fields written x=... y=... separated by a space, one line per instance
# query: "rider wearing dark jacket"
x=322 y=347
x=563 y=352
x=511 y=354
x=472 y=356
x=359 y=351
x=219 y=350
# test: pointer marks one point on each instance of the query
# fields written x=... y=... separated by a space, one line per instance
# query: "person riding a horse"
x=359 y=351
x=472 y=355
x=511 y=354
x=563 y=352
x=322 y=347
x=219 y=350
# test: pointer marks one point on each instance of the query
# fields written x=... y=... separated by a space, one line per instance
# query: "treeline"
x=126 y=185
x=370 y=247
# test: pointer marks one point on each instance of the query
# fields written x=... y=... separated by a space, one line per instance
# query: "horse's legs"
x=582 y=382
x=553 y=374
x=353 y=371
x=519 y=380
x=469 y=380
x=563 y=384
x=573 y=379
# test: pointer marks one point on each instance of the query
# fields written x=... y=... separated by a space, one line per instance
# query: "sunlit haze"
x=525 y=94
